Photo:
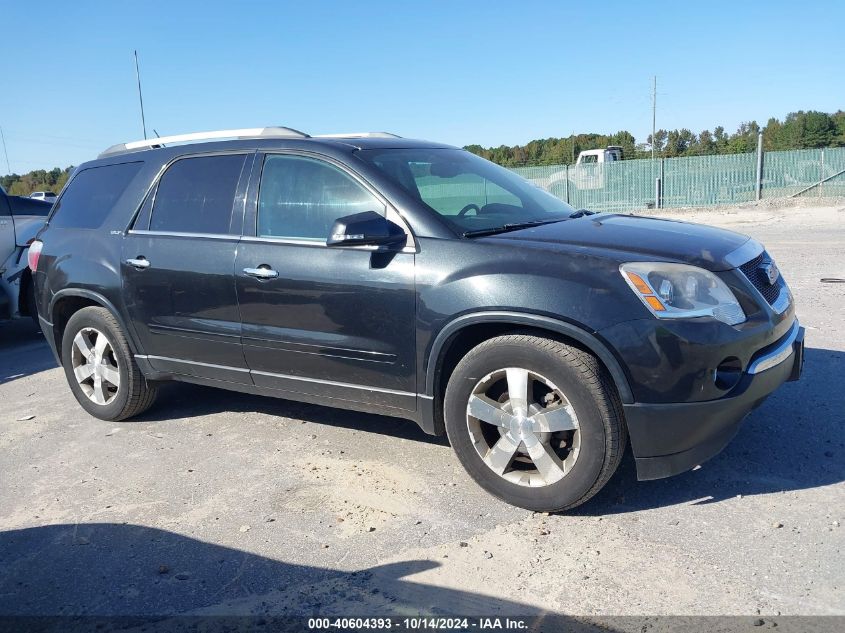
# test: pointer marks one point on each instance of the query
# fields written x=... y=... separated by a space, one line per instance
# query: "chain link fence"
x=693 y=180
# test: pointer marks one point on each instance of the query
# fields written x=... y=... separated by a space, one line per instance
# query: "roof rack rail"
x=359 y=135
x=251 y=132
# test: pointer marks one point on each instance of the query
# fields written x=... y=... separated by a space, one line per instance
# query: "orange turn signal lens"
x=655 y=304
x=638 y=282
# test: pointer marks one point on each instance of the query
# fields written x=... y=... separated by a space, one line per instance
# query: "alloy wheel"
x=95 y=366
x=523 y=427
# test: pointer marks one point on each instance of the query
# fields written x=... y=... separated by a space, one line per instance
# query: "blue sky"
x=459 y=72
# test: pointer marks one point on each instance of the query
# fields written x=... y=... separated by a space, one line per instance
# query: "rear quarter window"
x=91 y=194
x=196 y=195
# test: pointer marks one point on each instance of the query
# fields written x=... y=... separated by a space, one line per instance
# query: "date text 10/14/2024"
x=421 y=623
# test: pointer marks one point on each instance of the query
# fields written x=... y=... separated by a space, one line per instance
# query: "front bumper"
x=668 y=439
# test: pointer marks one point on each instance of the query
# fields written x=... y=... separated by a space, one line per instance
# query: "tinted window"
x=468 y=192
x=91 y=195
x=195 y=195
x=301 y=198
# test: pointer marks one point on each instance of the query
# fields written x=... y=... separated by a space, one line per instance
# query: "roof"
x=268 y=136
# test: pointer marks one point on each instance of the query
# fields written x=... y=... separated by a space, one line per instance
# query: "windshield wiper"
x=511 y=226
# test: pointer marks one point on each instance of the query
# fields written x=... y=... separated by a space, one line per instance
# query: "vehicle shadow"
x=111 y=569
x=184 y=400
x=23 y=350
x=793 y=441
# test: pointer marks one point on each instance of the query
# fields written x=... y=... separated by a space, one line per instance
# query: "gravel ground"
x=222 y=503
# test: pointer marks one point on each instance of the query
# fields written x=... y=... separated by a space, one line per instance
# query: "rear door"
x=335 y=323
x=178 y=263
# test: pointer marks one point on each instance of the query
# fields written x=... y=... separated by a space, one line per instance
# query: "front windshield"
x=470 y=193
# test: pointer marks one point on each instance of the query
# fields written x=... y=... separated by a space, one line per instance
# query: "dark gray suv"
x=412 y=279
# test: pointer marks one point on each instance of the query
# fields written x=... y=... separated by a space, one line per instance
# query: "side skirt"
x=333 y=394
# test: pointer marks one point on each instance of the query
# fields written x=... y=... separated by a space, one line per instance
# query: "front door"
x=337 y=323
x=178 y=263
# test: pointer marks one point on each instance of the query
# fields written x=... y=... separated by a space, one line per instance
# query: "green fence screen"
x=693 y=181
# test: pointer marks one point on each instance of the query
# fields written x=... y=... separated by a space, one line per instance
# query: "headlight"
x=678 y=291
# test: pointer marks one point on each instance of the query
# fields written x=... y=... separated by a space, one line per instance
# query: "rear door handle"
x=139 y=262
x=262 y=272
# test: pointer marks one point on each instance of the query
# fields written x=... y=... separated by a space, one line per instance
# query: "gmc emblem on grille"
x=771 y=271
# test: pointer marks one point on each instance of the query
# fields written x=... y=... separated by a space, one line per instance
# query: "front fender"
x=589 y=340
x=575 y=293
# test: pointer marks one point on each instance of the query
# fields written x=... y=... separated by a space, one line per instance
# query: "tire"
x=568 y=389
x=132 y=394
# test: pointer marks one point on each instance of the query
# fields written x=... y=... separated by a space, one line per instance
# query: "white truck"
x=609 y=154
x=46 y=196
x=20 y=219
x=588 y=171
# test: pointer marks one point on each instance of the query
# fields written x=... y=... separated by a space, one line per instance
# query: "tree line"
x=38 y=180
x=799 y=130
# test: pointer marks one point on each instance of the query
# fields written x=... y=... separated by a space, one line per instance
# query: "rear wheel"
x=100 y=367
x=534 y=421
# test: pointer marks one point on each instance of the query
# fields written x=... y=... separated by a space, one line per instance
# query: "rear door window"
x=91 y=195
x=196 y=195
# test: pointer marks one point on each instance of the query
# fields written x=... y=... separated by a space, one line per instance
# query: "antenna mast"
x=8 y=166
x=140 y=96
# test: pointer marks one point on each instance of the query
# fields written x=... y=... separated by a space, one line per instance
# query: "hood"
x=640 y=237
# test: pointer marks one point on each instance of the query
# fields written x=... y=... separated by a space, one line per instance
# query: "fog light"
x=728 y=373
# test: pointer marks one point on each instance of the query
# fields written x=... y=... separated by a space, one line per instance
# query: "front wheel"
x=534 y=421
x=100 y=367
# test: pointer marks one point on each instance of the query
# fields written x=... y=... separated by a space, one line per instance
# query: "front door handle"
x=262 y=272
x=139 y=262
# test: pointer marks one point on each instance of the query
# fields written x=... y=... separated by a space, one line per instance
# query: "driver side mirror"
x=365 y=229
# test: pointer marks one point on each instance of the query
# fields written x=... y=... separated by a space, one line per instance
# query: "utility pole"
x=758 y=188
x=8 y=167
x=653 y=113
x=140 y=97
x=658 y=181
